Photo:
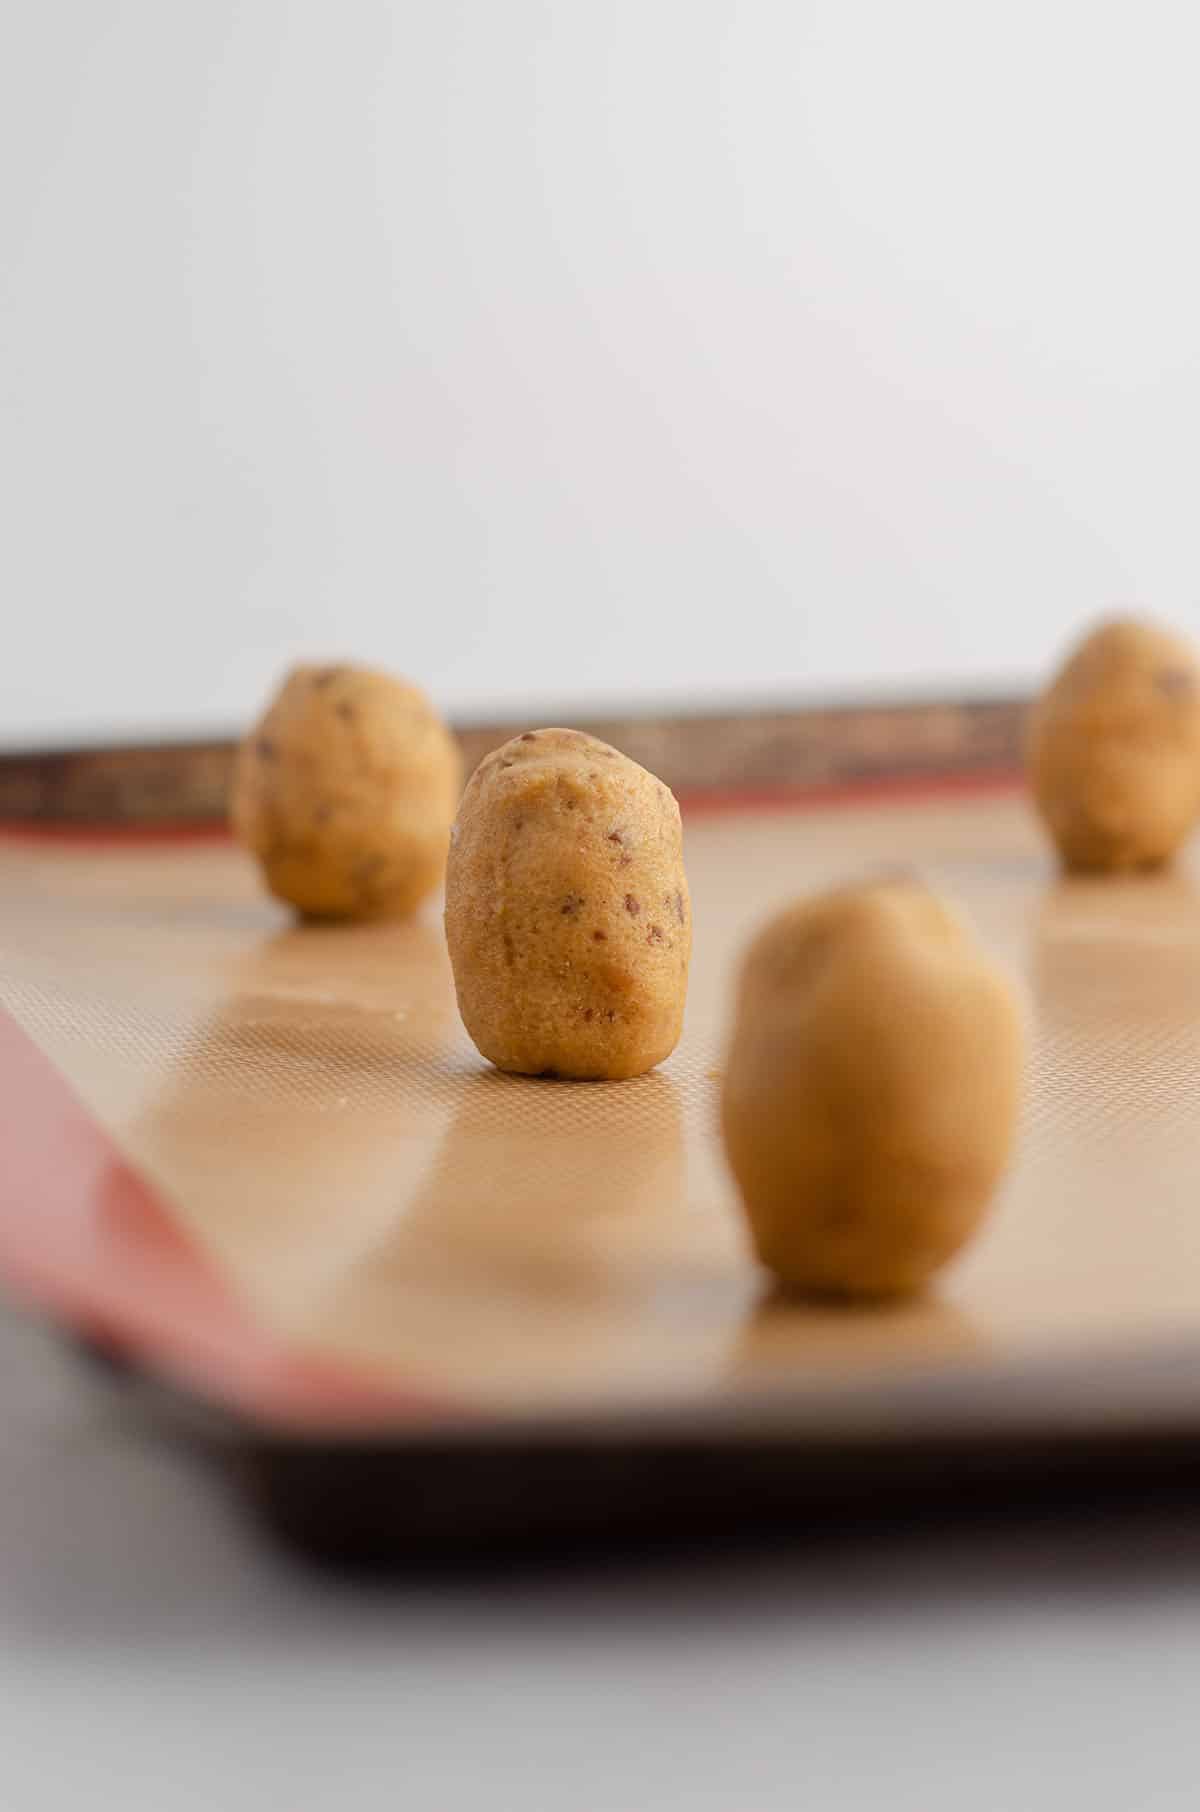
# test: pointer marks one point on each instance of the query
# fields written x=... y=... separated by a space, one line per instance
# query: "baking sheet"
x=310 y=1116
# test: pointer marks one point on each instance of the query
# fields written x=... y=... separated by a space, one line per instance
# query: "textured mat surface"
x=309 y=1111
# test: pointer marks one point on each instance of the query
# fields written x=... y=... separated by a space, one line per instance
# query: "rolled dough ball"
x=567 y=912
x=345 y=790
x=1114 y=749
x=871 y=1089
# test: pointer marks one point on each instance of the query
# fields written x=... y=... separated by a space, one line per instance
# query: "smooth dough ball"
x=1114 y=749
x=567 y=912
x=871 y=1089
x=345 y=791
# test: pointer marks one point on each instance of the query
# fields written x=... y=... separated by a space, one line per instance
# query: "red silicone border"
x=103 y=1254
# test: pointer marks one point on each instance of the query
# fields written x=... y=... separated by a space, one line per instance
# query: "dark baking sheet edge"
x=704 y=755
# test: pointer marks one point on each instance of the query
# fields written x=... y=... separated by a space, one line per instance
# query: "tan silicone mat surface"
x=309 y=1107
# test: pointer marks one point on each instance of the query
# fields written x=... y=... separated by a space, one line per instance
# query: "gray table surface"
x=156 y=1653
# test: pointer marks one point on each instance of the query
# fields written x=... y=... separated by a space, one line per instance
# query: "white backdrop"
x=586 y=353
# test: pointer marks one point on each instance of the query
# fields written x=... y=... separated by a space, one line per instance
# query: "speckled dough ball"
x=345 y=791
x=567 y=910
x=871 y=1089
x=1114 y=749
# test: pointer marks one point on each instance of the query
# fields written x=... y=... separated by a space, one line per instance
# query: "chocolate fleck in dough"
x=345 y=791
x=567 y=911
x=871 y=1089
x=1114 y=749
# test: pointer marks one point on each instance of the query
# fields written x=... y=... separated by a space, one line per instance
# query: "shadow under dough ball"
x=345 y=791
x=871 y=1089
x=567 y=911
x=1114 y=749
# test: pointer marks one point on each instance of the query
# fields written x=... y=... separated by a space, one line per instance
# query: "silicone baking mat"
x=267 y=1158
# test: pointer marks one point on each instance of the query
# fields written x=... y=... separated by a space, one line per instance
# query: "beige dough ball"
x=1114 y=749
x=567 y=912
x=871 y=1089
x=345 y=791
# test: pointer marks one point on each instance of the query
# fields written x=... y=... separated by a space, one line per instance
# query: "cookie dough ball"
x=1114 y=749
x=345 y=791
x=871 y=1089
x=567 y=910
